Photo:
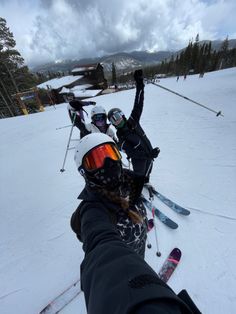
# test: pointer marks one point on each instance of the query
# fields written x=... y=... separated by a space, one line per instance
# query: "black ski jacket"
x=132 y=138
x=134 y=234
x=114 y=278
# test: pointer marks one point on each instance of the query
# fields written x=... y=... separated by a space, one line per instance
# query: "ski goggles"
x=95 y=158
x=116 y=118
x=99 y=117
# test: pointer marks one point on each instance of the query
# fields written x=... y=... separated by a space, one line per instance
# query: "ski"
x=175 y=207
x=170 y=264
x=63 y=299
x=163 y=218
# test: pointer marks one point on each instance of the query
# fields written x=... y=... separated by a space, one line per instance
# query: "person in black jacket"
x=108 y=185
x=114 y=278
x=132 y=138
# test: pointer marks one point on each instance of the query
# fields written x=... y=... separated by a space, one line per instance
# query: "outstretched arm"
x=75 y=109
x=139 y=98
x=77 y=104
x=131 y=286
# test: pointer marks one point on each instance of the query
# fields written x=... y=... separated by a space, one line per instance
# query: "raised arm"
x=139 y=98
x=75 y=109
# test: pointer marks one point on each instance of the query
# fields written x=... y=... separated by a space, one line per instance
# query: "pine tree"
x=224 y=53
x=14 y=75
x=195 y=55
x=114 y=79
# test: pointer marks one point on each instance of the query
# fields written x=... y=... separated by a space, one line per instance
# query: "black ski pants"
x=142 y=167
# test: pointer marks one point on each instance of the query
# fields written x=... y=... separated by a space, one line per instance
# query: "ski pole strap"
x=218 y=113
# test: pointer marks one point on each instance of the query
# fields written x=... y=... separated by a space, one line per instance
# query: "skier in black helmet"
x=132 y=139
x=109 y=186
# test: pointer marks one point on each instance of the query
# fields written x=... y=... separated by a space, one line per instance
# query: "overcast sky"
x=47 y=30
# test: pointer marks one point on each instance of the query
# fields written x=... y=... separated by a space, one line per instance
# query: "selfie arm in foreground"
x=114 y=278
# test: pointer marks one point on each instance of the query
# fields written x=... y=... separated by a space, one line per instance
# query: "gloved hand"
x=155 y=152
x=138 y=77
x=92 y=103
x=76 y=105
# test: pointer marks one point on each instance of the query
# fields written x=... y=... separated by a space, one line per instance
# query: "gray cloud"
x=48 y=30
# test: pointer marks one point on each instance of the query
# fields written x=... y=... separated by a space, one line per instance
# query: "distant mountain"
x=57 y=66
x=124 y=61
x=151 y=57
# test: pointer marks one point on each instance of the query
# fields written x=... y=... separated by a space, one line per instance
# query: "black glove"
x=155 y=152
x=92 y=103
x=76 y=105
x=138 y=77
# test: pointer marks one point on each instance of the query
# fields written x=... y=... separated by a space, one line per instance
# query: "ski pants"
x=142 y=167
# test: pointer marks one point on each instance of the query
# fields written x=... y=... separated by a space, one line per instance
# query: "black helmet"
x=116 y=116
x=69 y=97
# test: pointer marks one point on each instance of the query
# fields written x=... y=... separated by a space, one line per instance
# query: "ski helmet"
x=69 y=97
x=97 y=110
x=99 y=116
x=116 y=117
x=98 y=160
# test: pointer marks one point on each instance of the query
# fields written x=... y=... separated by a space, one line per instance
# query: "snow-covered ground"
x=40 y=255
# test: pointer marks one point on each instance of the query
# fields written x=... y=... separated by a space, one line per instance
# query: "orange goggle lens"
x=95 y=158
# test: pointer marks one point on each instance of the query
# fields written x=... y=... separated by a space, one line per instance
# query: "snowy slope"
x=40 y=255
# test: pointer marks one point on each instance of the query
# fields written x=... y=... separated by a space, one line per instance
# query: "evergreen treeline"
x=15 y=77
x=195 y=59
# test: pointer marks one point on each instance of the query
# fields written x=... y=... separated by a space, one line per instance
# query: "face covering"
x=99 y=120
x=100 y=123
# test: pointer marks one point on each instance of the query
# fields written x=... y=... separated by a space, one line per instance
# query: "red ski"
x=170 y=264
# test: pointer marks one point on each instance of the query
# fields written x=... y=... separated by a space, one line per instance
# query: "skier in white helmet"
x=108 y=185
x=111 y=225
x=98 y=116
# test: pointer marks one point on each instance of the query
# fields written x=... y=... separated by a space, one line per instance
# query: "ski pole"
x=158 y=253
x=68 y=144
x=149 y=170
x=218 y=113
x=63 y=127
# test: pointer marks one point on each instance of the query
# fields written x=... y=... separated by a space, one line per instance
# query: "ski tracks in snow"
x=212 y=214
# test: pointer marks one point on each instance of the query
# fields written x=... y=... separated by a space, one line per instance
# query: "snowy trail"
x=40 y=255
x=212 y=214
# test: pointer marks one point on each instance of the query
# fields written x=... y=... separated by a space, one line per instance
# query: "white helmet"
x=107 y=175
x=97 y=110
x=87 y=143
